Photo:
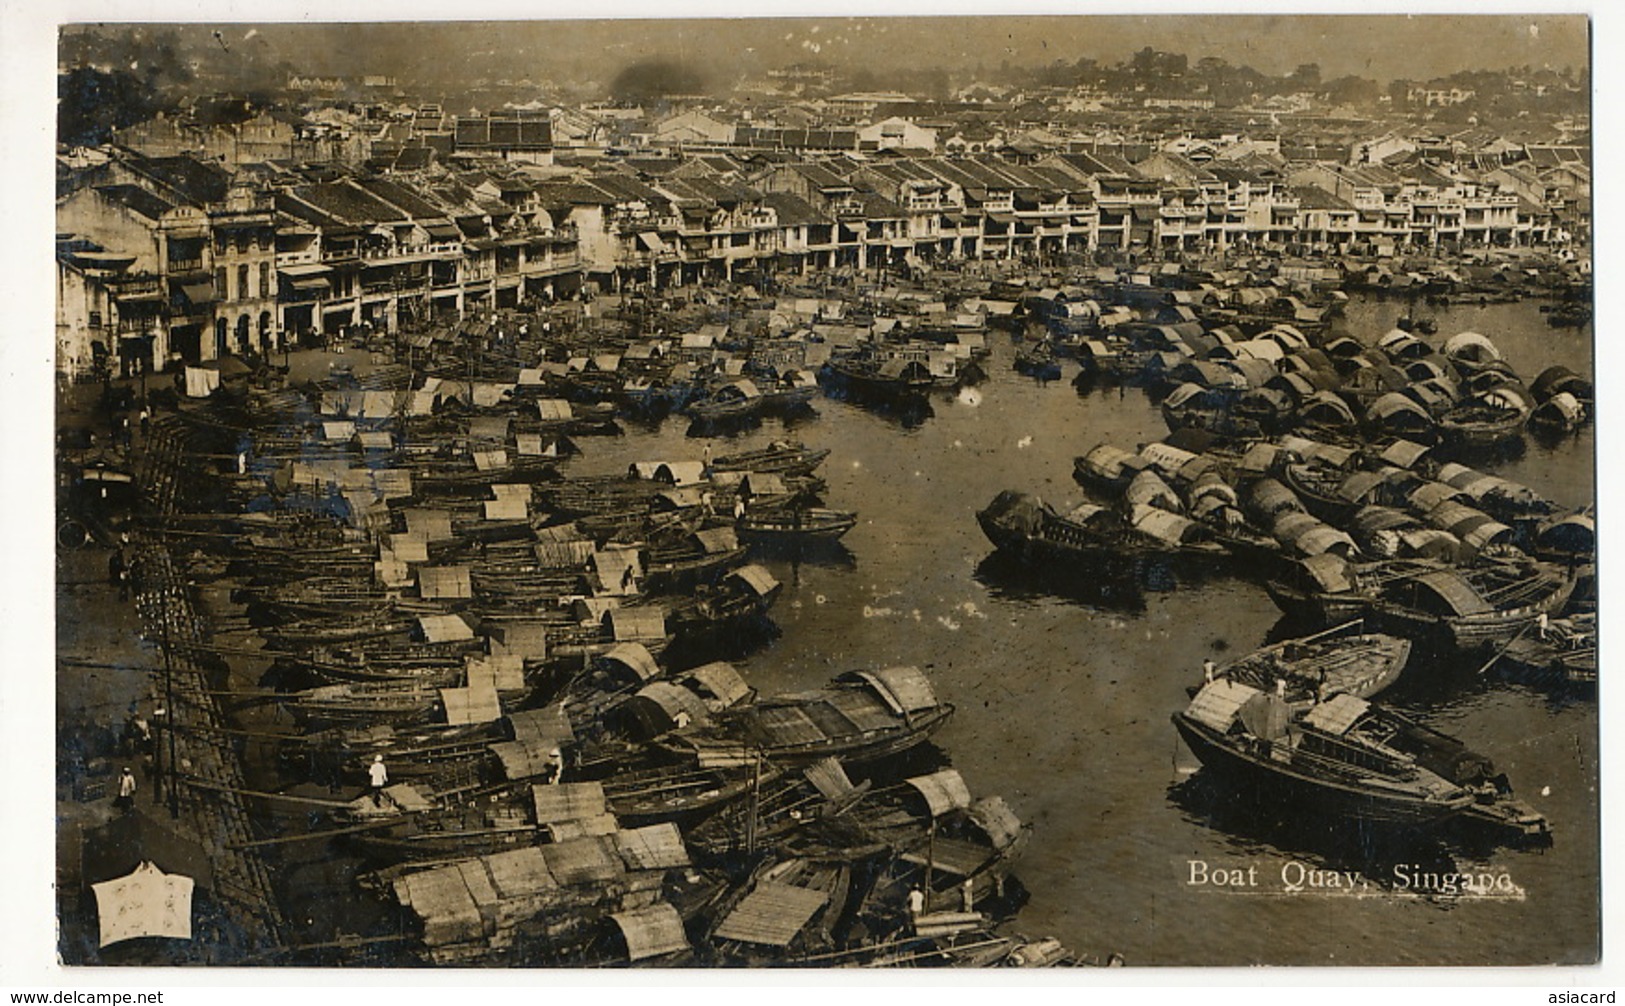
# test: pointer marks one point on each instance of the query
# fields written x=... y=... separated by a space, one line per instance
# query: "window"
x=242 y=282
x=265 y=279
x=220 y=284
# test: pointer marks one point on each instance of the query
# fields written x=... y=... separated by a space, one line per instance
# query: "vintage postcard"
x=1044 y=491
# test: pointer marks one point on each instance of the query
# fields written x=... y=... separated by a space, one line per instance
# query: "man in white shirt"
x=126 y=791
x=378 y=775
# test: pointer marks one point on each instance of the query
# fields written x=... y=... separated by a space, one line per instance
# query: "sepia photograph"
x=822 y=492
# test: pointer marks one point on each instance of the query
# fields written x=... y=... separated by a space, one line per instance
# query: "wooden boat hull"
x=1116 y=554
x=1472 y=632
x=788 y=460
x=815 y=526
x=869 y=746
x=853 y=748
x=874 y=387
x=702 y=412
x=1389 y=808
x=682 y=795
x=1481 y=435
x=1359 y=665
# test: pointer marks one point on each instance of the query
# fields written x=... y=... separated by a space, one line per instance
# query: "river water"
x=1064 y=692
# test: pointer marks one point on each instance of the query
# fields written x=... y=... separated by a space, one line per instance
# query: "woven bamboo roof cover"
x=722 y=680
x=943 y=791
x=430 y=525
x=771 y=914
x=904 y=689
x=1217 y=704
x=1336 y=714
x=652 y=932
x=584 y=861
x=476 y=704
x=567 y=801
x=444 y=628
x=654 y=847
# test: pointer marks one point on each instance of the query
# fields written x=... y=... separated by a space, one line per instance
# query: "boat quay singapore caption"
x=1297 y=878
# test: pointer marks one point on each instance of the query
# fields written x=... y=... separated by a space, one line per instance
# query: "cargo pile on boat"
x=520 y=668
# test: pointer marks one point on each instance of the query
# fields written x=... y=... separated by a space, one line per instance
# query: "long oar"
x=1502 y=651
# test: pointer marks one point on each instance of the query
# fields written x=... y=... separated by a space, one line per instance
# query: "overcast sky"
x=1382 y=47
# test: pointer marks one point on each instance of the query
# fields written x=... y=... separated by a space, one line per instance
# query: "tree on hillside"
x=1351 y=90
x=92 y=103
x=653 y=79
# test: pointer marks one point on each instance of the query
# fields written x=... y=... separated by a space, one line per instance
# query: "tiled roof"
x=137 y=199
x=1312 y=197
x=400 y=196
x=792 y=210
x=189 y=179
x=348 y=202
x=504 y=132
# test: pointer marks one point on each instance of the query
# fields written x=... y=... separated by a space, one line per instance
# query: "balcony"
x=296 y=295
x=538 y=265
x=632 y=223
x=190 y=314
x=441 y=249
x=132 y=288
x=137 y=325
x=177 y=265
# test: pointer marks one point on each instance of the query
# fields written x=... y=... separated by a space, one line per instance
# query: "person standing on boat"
x=916 y=905
x=378 y=776
x=1208 y=667
x=1543 y=626
x=555 y=760
x=967 y=895
x=739 y=507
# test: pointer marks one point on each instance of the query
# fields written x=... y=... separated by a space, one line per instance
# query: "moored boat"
x=1490 y=420
x=1467 y=607
x=796 y=524
x=1025 y=526
x=736 y=400
x=1333 y=759
x=862 y=716
x=1325 y=664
